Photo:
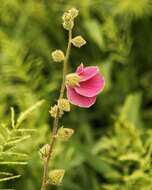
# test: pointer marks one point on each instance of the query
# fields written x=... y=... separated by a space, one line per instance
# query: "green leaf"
x=130 y=109
x=13 y=163
x=10 y=178
x=93 y=27
x=25 y=114
x=12 y=117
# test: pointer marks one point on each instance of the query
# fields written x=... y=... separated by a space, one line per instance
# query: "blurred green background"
x=112 y=145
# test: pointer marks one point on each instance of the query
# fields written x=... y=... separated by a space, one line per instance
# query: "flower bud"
x=78 y=41
x=72 y=79
x=64 y=104
x=54 y=111
x=58 y=56
x=56 y=176
x=67 y=17
x=68 y=25
x=44 y=151
x=65 y=133
x=74 y=12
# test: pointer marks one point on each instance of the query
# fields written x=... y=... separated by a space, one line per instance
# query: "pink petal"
x=91 y=87
x=79 y=100
x=80 y=68
x=88 y=73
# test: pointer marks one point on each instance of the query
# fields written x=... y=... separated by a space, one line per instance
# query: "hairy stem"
x=56 y=120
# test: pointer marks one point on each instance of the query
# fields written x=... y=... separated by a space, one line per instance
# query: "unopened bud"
x=65 y=134
x=67 y=17
x=58 y=56
x=74 y=12
x=56 y=176
x=44 y=151
x=72 y=79
x=68 y=25
x=78 y=41
x=55 y=111
x=64 y=104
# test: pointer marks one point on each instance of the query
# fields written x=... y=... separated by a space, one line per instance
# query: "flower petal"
x=80 y=69
x=79 y=100
x=91 y=87
x=88 y=73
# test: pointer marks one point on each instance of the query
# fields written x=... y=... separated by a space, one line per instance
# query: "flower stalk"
x=56 y=119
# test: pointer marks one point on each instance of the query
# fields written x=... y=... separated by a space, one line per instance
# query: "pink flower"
x=90 y=84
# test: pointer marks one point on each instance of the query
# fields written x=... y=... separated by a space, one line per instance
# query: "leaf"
x=129 y=156
x=10 y=178
x=106 y=69
x=16 y=154
x=25 y=114
x=6 y=173
x=15 y=142
x=13 y=163
x=12 y=117
x=130 y=109
x=4 y=132
x=93 y=27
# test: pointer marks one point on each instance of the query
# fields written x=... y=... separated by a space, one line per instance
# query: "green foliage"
x=11 y=138
x=104 y=153
x=127 y=149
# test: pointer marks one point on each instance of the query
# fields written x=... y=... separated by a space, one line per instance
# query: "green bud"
x=56 y=176
x=64 y=104
x=58 y=56
x=78 y=41
x=67 y=17
x=74 y=12
x=65 y=134
x=68 y=25
x=44 y=151
x=54 y=111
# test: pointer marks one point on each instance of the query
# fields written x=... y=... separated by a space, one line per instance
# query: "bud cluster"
x=68 y=18
x=54 y=111
x=64 y=104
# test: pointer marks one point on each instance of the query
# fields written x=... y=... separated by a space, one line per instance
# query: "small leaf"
x=15 y=142
x=12 y=117
x=12 y=163
x=6 y=173
x=10 y=178
x=93 y=27
x=24 y=114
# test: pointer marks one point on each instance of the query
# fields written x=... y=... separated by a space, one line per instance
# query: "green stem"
x=65 y=67
x=56 y=120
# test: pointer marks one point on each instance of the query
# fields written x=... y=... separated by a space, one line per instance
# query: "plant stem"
x=56 y=119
